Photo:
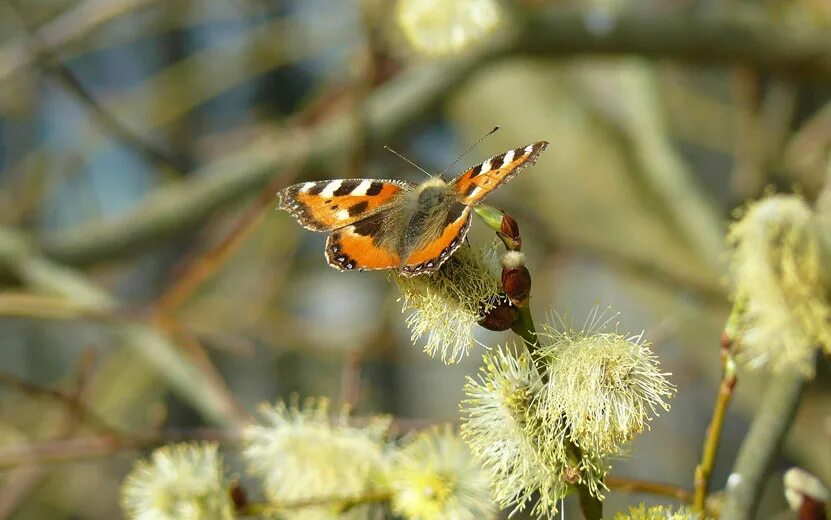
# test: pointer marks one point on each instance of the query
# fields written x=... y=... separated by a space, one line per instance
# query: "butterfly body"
x=387 y=224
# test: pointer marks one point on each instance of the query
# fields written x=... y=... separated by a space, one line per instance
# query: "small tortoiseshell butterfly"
x=389 y=224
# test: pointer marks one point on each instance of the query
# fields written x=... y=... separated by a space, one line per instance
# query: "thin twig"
x=200 y=269
x=761 y=445
x=72 y=402
x=633 y=485
x=77 y=448
x=25 y=479
x=708 y=457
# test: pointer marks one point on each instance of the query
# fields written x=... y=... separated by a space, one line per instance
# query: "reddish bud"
x=509 y=233
x=726 y=341
x=516 y=280
x=502 y=317
x=571 y=475
x=238 y=497
x=812 y=509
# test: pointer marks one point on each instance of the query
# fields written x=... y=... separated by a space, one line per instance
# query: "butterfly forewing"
x=332 y=204
x=475 y=184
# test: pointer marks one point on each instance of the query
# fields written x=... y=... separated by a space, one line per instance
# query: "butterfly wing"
x=430 y=256
x=362 y=245
x=333 y=204
x=474 y=185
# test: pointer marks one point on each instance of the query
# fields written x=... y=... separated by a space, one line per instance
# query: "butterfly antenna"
x=411 y=163
x=474 y=145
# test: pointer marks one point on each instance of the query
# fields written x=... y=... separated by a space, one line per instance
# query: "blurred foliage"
x=147 y=281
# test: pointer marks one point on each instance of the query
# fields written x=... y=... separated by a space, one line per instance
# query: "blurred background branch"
x=201 y=303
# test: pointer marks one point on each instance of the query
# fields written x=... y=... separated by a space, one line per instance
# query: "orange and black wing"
x=332 y=204
x=474 y=185
x=428 y=258
x=360 y=246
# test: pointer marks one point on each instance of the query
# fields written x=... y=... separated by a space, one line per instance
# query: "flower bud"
x=238 y=496
x=444 y=307
x=516 y=280
x=500 y=317
x=509 y=233
x=806 y=494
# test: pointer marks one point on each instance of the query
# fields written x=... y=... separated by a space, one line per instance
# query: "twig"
x=72 y=402
x=76 y=448
x=633 y=485
x=25 y=479
x=725 y=393
x=761 y=445
x=200 y=269
x=28 y=305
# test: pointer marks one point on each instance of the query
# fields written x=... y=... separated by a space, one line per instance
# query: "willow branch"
x=633 y=485
x=72 y=402
x=761 y=445
x=409 y=97
x=710 y=451
x=78 y=448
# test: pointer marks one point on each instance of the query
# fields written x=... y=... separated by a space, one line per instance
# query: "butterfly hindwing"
x=431 y=256
x=360 y=246
x=473 y=185
x=332 y=204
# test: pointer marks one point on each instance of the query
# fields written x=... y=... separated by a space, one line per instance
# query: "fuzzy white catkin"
x=443 y=308
x=439 y=27
x=179 y=482
x=434 y=476
x=780 y=285
x=304 y=453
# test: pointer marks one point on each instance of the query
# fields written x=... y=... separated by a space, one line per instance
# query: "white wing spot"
x=529 y=148
x=362 y=188
x=343 y=214
x=330 y=189
x=475 y=193
x=306 y=187
x=509 y=156
x=486 y=167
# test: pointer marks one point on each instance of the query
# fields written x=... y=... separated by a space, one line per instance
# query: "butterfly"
x=391 y=224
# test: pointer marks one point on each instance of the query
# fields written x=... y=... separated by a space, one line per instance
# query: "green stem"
x=591 y=506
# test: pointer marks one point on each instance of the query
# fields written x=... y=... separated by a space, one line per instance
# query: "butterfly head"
x=431 y=192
